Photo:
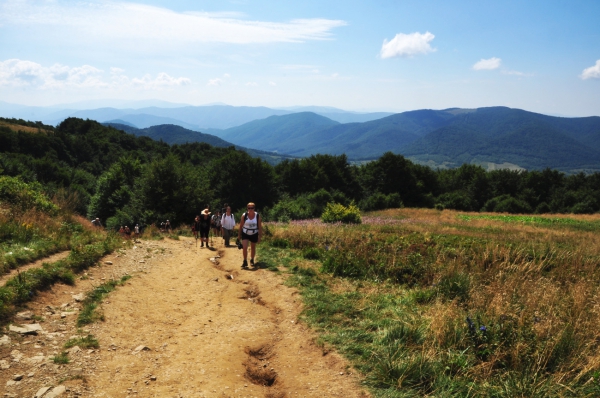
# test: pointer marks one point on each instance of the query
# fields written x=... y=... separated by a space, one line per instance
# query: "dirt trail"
x=205 y=334
x=35 y=264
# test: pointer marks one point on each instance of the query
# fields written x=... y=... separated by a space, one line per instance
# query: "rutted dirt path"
x=35 y=264
x=208 y=330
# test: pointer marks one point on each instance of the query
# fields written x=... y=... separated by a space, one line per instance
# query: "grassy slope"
x=32 y=227
x=444 y=304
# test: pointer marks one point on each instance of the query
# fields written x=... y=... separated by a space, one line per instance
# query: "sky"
x=376 y=55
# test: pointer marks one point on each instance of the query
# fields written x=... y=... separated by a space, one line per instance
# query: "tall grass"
x=33 y=227
x=428 y=303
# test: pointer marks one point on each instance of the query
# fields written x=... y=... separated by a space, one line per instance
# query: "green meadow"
x=442 y=303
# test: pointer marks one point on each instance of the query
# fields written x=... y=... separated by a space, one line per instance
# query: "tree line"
x=124 y=179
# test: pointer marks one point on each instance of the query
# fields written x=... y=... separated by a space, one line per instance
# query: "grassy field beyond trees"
x=441 y=303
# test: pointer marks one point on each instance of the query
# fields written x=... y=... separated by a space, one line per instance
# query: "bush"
x=507 y=204
x=543 y=208
x=513 y=206
x=457 y=200
x=25 y=196
x=335 y=212
x=379 y=201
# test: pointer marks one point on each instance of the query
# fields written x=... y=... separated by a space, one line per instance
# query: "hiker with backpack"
x=216 y=223
x=196 y=228
x=250 y=231
x=227 y=225
x=204 y=226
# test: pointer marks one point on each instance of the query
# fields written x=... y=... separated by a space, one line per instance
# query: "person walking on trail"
x=250 y=231
x=227 y=225
x=216 y=223
x=168 y=227
x=204 y=227
x=196 y=227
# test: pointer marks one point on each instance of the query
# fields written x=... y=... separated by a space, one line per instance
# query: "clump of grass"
x=88 y=341
x=61 y=359
x=89 y=313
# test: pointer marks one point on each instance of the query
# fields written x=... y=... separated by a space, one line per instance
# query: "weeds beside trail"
x=33 y=227
x=445 y=304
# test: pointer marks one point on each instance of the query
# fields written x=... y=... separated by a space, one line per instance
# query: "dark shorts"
x=251 y=238
x=204 y=232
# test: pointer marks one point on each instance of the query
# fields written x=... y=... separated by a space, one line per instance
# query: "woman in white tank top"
x=250 y=231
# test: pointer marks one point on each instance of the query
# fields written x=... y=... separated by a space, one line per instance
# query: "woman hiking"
x=204 y=226
x=250 y=231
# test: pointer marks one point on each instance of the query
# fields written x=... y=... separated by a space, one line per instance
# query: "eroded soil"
x=183 y=326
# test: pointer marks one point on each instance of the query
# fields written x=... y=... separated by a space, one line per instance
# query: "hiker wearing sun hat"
x=204 y=226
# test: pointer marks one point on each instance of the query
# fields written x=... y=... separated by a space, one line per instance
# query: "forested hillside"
x=445 y=138
x=173 y=134
x=124 y=179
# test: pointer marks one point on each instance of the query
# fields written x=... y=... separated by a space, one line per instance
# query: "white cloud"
x=16 y=73
x=273 y=84
x=334 y=75
x=161 y=80
x=252 y=84
x=407 y=45
x=20 y=73
x=116 y=71
x=128 y=21
x=215 y=82
x=593 y=72
x=487 y=64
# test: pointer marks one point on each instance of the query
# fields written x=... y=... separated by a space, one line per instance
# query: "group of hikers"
x=126 y=231
x=223 y=223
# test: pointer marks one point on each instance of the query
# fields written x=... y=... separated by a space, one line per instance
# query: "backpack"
x=257 y=219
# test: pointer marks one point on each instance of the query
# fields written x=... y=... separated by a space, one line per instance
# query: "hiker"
x=96 y=223
x=136 y=230
x=204 y=226
x=122 y=231
x=127 y=232
x=227 y=225
x=168 y=227
x=250 y=231
x=216 y=223
x=196 y=227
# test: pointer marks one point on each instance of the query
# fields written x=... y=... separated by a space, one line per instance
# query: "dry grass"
x=530 y=290
x=18 y=127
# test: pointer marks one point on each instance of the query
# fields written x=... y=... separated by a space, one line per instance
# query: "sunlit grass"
x=442 y=303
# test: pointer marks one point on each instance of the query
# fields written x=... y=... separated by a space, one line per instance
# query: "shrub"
x=379 y=201
x=335 y=212
x=513 y=206
x=457 y=200
x=542 y=208
x=25 y=196
x=507 y=204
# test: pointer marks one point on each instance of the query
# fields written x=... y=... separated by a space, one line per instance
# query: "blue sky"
x=542 y=56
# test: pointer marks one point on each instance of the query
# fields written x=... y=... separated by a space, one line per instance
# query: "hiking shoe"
x=245 y=264
x=202 y=244
x=252 y=262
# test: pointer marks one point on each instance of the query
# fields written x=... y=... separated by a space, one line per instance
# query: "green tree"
x=115 y=188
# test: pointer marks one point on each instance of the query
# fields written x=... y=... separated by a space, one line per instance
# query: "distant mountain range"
x=173 y=134
x=440 y=138
x=492 y=137
x=199 y=118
